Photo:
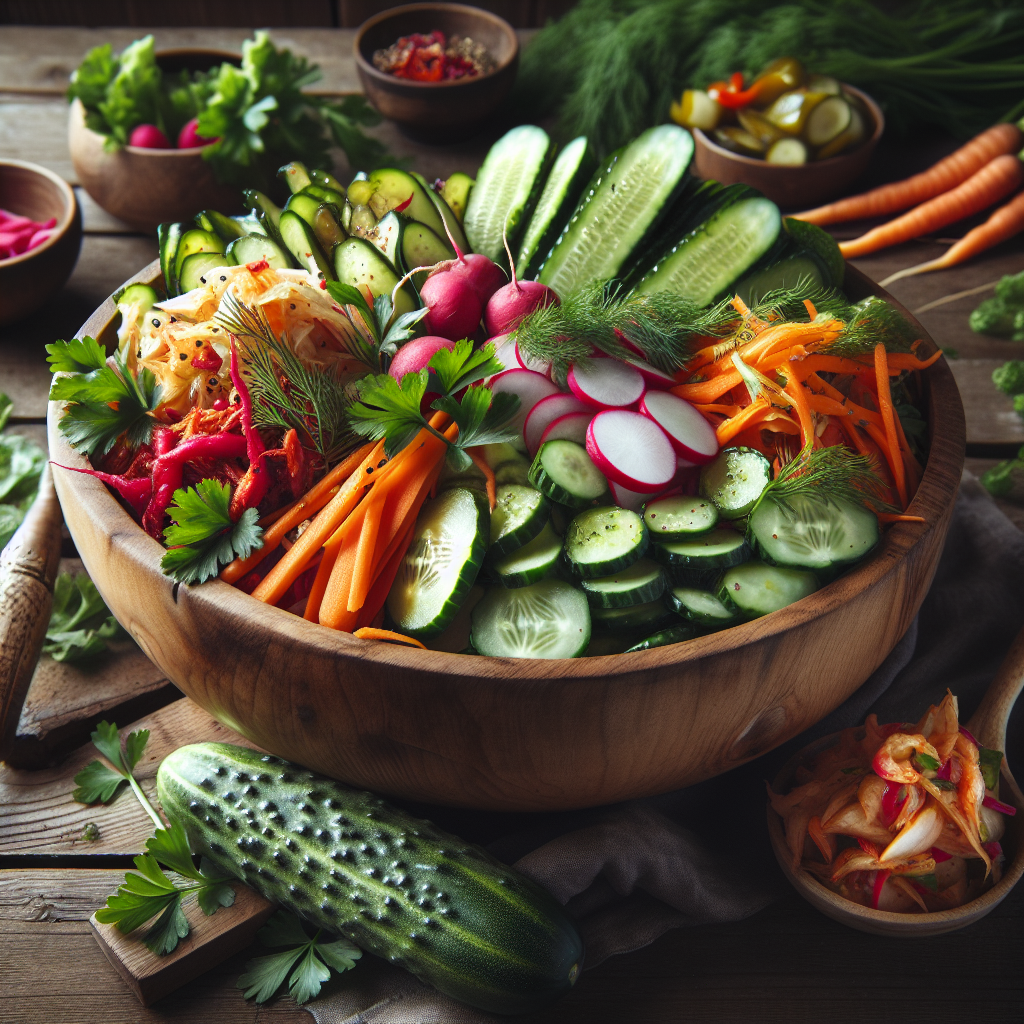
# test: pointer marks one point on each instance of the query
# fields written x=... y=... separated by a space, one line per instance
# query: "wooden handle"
x=988 y=723
x=28 y=569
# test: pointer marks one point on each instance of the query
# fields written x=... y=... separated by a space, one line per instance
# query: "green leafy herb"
x=926 y=762
x=831 y=474
x=285 y=392
x=991 y=765
x=79 y=355
x=151 y=893
x=310 y=957
x=1002 y=480
x=203 y=537
x=1002 y=316
x=80 y=623
x=867 y=323
x=98 y=782
x=21 y=466
x=106 y=404
x=943 y=784
x=392 y=410
x=387 y=332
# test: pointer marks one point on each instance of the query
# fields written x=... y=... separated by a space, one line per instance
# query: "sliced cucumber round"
x=812 y=533
x=756 y=589
x=605 y=540
x=195 y=267
x=520 y=513
x=531 y=562
x=679 y=517
x=441 y=564
x=642 y=618
x=717 y=549
x=550 y=619
x=564 y=472
x=734 y=480
x=672 y=635
x=701 y=607
x=255 y=249
x=641 y=582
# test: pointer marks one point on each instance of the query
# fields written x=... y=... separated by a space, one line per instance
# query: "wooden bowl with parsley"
x=507 y=733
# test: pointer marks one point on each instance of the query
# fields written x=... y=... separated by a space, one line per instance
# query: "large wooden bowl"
x=516 y=734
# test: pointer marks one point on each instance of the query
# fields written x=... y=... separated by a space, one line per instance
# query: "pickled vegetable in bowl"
x=785 y=116
x=900 y=817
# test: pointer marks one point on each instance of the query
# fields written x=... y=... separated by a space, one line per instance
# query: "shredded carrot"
x=747 y=417
x=308 y=505
x=888 y=416
x=708 y=390
x=893 y=517
x=904 y=361
x=369 y=633
x=844 y=409
x=721 y=410
x=795 y=390
x=481 y=464
x=362 y=571
x=386 y=577
x=809 y=306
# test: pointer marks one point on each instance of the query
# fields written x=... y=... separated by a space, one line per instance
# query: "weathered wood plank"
x=105 y=263
x=48 y=895
x=39 y=818
x=990 y=415
x=55 y=971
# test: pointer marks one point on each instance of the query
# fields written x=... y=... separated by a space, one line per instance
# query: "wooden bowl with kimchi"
x=517 y=734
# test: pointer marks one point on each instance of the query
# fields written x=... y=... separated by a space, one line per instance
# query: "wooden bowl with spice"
x=431 y=106
x=513 y=733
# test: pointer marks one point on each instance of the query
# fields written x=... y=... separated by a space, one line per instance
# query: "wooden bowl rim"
x=853 y=914
x=830 y=162
x=937 y=490
x=63 y=223
x=367 y=68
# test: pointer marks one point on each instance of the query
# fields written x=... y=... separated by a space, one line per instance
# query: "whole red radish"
x=414 y=355
x=148 y=136
x=509 y=305
x=485 y=275
x=189 y=137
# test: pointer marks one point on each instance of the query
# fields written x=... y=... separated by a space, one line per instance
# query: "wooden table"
x=787 y=963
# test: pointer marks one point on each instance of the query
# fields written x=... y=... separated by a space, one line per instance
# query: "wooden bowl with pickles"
x=799 y=138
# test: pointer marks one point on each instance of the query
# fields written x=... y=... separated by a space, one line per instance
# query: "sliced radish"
x=606 y=383
x=545 y=412
x=627 y=344
x=528 y=362
x=528 y=386
x=653 y=377
x=691 y=435
x=631 y=449
x=625 y=498
x=570 y=427
x=504 y=350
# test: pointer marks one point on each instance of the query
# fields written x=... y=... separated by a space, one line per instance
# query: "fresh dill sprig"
x=834 y=474
x=286 y=394
x=595 y=318
x=870 y=321
x=787 y=304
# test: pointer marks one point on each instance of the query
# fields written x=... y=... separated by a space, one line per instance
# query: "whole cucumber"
x=397 y=886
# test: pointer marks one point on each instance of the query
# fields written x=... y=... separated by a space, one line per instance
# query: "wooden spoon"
x=28 y=570
x=988 y=725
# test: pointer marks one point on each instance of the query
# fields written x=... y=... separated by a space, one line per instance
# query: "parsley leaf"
x=97 y=784
x=387 y=334
x=151 y=893
x=482 y=418
x=80 y=623
x=311 y=959
x=203 y=536
x=389 y=409
x=105 y=404
x=458 y=367
x=79 y=355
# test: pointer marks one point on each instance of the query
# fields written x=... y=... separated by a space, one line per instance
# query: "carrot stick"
x=892 y=517
x=877 y=434
x=809 y=306
x=481 y=464
x=1006 y=222
x=369 y=633
x=946 y=174
x=323 y=574
x=386 y=577
x=847 y=409
x=904 y=361
x=334 y=608
x=888 y=416
x=309 y=504
x=708 y=390
x=721 y=410
x=987 y=186
x=362 y=578
x=834 y=364
x=795 y=390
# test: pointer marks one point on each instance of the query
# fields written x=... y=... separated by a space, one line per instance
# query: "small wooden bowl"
x=988 y=724
x=26 y=281
x=144 y=187
x=792 y=188
x=437 y=111
x=512 y=733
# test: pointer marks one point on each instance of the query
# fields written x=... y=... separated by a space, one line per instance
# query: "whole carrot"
x=1006 y=222
x=996 y=179
x=946 y=174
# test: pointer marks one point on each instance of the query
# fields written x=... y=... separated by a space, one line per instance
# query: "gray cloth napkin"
x=630 y=872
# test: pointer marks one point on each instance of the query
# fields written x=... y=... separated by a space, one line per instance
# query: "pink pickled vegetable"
x=691 y=435
x=570 y=427
x=21 y=234
x=632 y=450
x=605 y=383
x=997 y=805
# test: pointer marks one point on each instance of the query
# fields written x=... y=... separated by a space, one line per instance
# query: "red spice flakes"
x=433 y=58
